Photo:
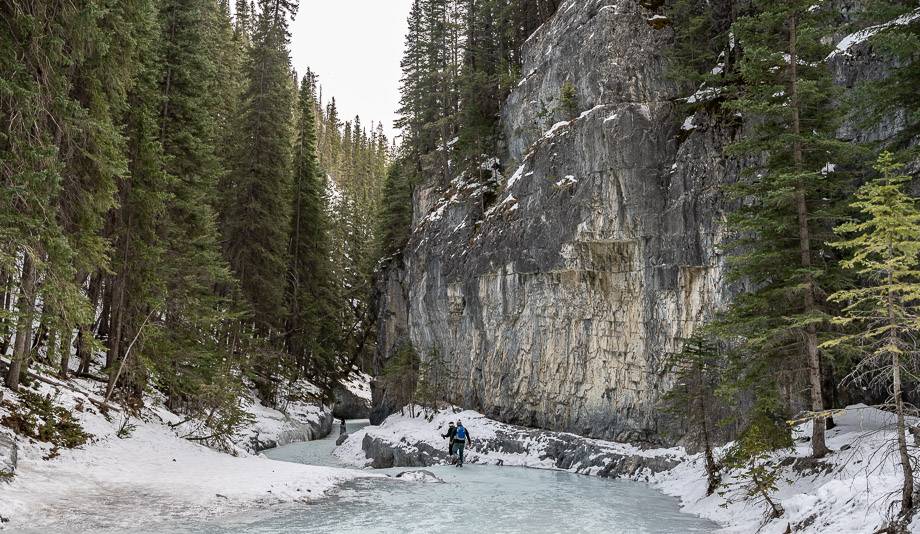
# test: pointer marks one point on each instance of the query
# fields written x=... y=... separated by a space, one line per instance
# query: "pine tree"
x=257 y=200
x=395 y=216
x=698 y=373
x=751 y=457
x=311 y=331
x=62 y=154
x=881 y=314
x=790 y=197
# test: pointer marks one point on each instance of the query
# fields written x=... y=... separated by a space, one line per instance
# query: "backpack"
x=461 y=434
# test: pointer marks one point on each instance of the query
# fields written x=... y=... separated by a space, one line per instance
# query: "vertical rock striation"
x=554 y=297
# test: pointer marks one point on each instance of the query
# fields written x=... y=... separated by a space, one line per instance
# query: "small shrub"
x=37 y=417
x=568 y=100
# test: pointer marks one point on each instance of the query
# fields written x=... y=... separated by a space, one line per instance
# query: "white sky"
x=355 y=47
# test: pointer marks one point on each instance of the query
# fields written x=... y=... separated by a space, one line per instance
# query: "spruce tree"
x=62 y=154
x=881 y=315
x=698 y=373
x=790 y=198
x=311 y=331
x=256 y=207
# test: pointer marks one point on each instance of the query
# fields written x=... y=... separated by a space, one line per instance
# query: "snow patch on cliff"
x=855 y=38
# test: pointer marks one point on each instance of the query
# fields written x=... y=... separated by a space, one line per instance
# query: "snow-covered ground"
x=850 y=493
x=300 y=421
x=116 y=484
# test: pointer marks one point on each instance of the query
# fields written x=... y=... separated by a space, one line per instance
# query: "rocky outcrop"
x=8 y=453
x=527 y=447
x=348 y=405
x=550 y=288
x=293 y=431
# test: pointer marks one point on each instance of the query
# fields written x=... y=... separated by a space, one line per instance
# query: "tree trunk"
x=51 y=350
x=85 y=331
x=66 y=342
x=907 y=487
x=6 y=298
x=712 y=470
x=818 y=445
x=25 y=306
x=776 y=510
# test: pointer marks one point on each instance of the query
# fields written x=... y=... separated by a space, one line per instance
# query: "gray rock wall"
x=556 y=303
x=348 y=405
x=555 y=299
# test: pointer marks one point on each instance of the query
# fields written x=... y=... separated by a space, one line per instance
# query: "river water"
x=474 y=499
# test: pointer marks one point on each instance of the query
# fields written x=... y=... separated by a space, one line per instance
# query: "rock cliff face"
x=550 y=289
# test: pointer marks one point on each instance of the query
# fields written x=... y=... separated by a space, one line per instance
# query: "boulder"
x=348 y=405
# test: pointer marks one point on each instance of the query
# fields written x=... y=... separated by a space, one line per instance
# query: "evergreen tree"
x=698 y=373
x=395 y=217
x=751 y=457
x=257 y=199
x=881 y=314
x=790 y=197
x=311 y=331
x=61 y=153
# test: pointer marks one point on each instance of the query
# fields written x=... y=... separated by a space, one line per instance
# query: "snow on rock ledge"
x=406 y=441
x=298 y=421
x=353 y=397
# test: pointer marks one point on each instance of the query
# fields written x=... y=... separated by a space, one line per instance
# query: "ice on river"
x=476 y=498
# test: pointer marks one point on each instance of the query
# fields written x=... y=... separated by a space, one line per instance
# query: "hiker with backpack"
x=451 y=431
x=461 y=440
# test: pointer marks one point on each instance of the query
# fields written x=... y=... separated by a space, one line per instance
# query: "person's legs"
x=460 y=446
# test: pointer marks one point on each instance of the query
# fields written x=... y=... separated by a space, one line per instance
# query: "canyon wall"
x=550 y=288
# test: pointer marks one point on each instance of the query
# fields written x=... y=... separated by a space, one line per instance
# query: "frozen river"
x=485 y=499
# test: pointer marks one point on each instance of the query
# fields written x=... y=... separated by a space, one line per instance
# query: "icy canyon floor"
x=154 y=481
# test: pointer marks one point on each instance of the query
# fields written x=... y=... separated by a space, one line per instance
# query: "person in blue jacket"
x=461 y=440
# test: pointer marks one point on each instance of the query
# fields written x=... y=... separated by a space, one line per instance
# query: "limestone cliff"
x=554 y=284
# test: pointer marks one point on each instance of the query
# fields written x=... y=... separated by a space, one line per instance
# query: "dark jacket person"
x=451 y=432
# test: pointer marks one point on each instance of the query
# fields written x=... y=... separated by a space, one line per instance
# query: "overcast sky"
x=355 y=47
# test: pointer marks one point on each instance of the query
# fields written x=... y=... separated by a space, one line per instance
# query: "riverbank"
x=142 y=471
x=850 y=491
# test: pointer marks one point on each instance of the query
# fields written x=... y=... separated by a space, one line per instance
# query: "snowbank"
x=850 y=491
x=270 y=428
x=151 y=472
